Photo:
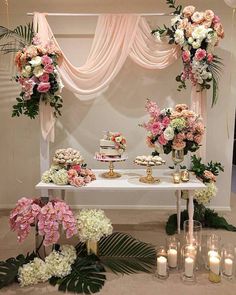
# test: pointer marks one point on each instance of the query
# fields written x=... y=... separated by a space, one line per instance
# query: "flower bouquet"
x=68 y=168
x=38 y=78
x=173 y=129
x=197 y=33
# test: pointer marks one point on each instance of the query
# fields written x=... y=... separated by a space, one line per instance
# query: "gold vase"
x=177 y=157
x=92 y=247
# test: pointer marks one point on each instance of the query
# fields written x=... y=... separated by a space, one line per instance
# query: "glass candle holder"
x=176 y=177
x=228 y=261
x=162 y=265
x=214 y=267
x=213 y=247
x=172 y=245
x=197 y=233
x=189 y=256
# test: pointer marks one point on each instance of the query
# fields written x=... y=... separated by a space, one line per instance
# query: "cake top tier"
x=118 y=139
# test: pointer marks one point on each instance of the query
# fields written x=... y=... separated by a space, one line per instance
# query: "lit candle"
x=228 y=266
x=212 y=253
x=214 y=262
x=172 y=257
x=188 y=267
x=162 y=266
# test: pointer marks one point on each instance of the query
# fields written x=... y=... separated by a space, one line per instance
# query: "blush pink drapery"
x=117 y=36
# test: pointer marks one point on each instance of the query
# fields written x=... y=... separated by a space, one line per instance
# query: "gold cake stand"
x=111 y=173
x=149 y=178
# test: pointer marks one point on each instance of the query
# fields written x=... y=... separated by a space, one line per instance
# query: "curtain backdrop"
x=117 y=36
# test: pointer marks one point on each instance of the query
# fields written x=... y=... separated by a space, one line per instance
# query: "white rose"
x=28 y=68
x=196 y=44
x=179 y=36
x=200 y=32
x=169 y=133
x=38 y=71
x=25 y=73
x=35 y=61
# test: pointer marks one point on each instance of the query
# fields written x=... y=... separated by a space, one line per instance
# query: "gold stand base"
x=111 y=174
x=147 y=179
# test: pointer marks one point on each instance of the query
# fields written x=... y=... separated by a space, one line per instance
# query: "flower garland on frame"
x=197 y=33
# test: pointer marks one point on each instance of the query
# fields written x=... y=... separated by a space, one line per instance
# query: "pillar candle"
x=172 y=257
x=214 y=264
x=228 y=266
x=188 y=267
x=162 y=266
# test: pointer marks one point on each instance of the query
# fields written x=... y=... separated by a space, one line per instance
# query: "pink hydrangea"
x=200 y=54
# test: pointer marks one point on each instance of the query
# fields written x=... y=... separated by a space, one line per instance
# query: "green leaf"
x=9 y=268
x=121 y=253
x=86 y=276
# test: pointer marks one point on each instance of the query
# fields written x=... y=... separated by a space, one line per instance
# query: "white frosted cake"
x=113 y=144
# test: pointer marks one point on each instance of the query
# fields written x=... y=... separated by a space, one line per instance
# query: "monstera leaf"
x=121 y=253
x=9 y=268
x=86 y=276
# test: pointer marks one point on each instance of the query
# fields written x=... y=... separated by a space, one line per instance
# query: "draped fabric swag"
x=117 y=36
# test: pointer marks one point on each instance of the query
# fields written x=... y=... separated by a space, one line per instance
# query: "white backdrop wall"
x=119 y=108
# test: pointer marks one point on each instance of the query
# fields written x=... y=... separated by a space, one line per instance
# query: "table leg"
x=63 y=194
x=190 y=214
x=178 y=205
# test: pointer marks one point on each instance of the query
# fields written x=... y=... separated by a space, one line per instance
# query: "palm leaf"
x=85 y=277
x=9 y=268
x=121 y=253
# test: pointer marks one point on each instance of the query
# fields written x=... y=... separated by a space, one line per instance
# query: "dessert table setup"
x=177 y=131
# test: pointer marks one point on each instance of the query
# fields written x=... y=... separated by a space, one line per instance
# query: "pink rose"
x=180 y=136
x=166 y=121
x=188 y=11
x=200 y=54
x=183 y=24
x=76 y=167
x=216 y=20
x=43 y=87
x=197 y=138
x=44 y=78
x=77 y=181
x=162 y=140
x=219 y=30
x=189 y=136
x=49 y=68
x=186 y=55
x=87 y=179
x=156 y=128
x=46 y=60
x=210 y=57
x=72 y=173
x=178 y=144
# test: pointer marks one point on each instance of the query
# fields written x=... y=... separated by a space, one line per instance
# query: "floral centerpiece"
x=68 y=168
x=197 y=33
x=38 y=78
x=173 y=129
x=119 y=140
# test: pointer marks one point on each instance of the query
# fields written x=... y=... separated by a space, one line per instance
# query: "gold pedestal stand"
x=111 y=173
x=149 y=178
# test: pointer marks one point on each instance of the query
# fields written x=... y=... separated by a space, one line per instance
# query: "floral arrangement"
x=197 y=33
x=68 y=168
x=49 y=217
x=168 y=129
x=92 y=224
x=118 y=139
x=57 y=263
x=38 y=78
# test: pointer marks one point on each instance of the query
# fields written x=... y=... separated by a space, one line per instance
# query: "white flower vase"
x=92 y=247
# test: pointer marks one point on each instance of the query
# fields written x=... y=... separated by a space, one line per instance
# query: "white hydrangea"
x=46 y=177
x=59 y=262
x=92 y=224
x=169 y=133
x=204 y=195
x=60 y=177
x=200 y=32
x=179 y=36
x=33 y=272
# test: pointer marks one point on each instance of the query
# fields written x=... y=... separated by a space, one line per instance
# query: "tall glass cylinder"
x=189 y=256
x=196 y=238
x=228 y=261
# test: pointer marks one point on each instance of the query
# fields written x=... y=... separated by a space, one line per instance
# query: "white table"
x=130 y=181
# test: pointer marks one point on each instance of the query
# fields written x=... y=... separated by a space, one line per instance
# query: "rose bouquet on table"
x=68 y=168
x=173 y=129
x=197 y=33
x=38 y=78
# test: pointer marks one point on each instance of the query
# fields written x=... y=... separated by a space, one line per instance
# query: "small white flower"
x=190 y=40
x=169 y=133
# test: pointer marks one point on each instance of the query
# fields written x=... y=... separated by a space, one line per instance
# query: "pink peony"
x=43 y=87
x=186 y=55
x=156 y=128
x=162 y=140
x=49 y=68
x=210 y=57
x=46 y=60
x=44 y=78
x=200 y=54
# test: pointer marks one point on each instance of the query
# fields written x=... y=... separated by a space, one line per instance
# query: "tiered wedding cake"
x=113 y=144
